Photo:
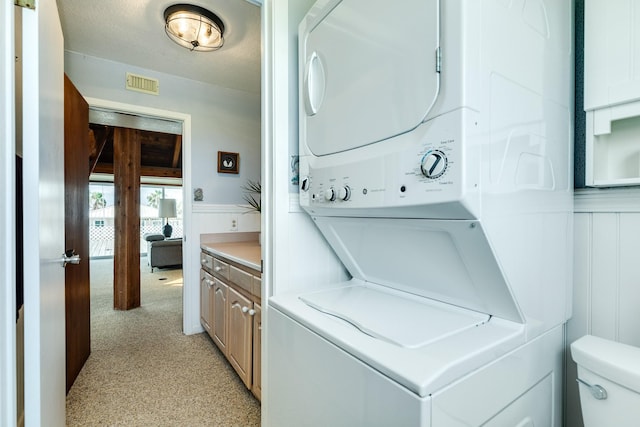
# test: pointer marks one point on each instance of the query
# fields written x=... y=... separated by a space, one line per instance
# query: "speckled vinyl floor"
x=144 y=372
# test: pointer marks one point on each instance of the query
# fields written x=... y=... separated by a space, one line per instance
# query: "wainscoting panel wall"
x=606 y=294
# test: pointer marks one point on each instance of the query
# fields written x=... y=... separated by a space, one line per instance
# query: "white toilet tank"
x=609 y=377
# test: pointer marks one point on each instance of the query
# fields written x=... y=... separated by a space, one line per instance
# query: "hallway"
x=143 y=371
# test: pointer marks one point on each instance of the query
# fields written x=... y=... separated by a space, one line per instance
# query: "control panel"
x=426 y=176
x=419 y=171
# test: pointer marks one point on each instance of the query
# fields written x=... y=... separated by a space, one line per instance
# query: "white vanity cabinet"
x=231 y=314
x=612 y=92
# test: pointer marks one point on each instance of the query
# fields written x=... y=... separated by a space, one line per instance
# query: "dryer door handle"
x=314 y=84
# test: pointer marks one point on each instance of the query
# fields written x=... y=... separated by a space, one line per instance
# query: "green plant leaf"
x=251 y=188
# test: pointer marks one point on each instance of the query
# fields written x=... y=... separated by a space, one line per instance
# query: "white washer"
x=435 y=158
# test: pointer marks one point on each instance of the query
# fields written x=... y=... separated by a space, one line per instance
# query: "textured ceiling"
x=132 y=32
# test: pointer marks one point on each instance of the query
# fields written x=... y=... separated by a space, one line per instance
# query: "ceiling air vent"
x=142 y=84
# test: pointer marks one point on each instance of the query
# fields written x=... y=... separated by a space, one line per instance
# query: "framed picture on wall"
x=228 y=162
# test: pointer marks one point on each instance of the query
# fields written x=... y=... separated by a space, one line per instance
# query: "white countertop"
x=248 y=254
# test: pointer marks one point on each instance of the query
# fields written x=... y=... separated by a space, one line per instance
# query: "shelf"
x=613 y=146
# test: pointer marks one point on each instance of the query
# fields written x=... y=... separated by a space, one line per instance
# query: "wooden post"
x=126 y=259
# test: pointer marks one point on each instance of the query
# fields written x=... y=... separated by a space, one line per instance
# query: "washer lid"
x=446 y=260
x=400 y=319
x=367 y=71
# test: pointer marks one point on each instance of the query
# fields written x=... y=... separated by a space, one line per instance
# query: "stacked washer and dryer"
x=436 y=159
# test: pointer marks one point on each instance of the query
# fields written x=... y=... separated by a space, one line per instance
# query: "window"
x=102 y=213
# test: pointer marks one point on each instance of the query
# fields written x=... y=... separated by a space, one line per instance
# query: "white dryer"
x=435 y=158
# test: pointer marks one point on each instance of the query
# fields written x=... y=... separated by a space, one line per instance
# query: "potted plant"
x=252 y=196
x=251 y=188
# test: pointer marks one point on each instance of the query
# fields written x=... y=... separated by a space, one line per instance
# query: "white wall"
x=222 y=119
x=606 y=294
x=301 y=258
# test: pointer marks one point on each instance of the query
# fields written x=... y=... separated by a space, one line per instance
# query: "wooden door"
x=76 y=181
x=239 y=335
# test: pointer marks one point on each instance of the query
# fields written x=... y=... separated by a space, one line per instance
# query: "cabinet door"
x=206 y=284
x=256 y=387
x=219 y=314
x=240 y=335
x=611 y=43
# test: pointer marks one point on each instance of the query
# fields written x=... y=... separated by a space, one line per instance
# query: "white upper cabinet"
x=612 y=53
x=612 y=92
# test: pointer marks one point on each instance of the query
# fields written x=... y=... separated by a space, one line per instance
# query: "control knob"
x=434 y=164
x=330 y=194
x=344 y=193
x=304 y=184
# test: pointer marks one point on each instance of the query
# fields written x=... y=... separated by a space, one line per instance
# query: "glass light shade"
x=194 y=27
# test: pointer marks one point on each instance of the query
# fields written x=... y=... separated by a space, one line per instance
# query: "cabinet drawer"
x=206 y=261
x=241 y=278
x=220 y=268
x=257 y=287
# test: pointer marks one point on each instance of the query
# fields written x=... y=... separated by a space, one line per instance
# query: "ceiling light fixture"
x=194 y=27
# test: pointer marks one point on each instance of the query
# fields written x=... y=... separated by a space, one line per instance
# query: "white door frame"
x=190 y=292
x=8 y=398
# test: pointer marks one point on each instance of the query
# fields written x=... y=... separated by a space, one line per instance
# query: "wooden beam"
x=126 y=258
x=176 y=151
x=161 y=172
x=101 y=136
x=107 y=168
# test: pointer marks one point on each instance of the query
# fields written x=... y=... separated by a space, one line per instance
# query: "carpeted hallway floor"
x=144 y=372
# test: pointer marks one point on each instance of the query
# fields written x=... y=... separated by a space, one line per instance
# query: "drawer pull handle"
x=218 y=268
x=203 y=261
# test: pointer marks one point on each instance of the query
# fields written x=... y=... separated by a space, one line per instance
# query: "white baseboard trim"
x=625 y=199
x=211 y=208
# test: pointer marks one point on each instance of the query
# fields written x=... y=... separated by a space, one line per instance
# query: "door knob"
x=70 y=257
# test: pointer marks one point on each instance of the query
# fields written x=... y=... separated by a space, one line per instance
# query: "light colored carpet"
x=144 y=372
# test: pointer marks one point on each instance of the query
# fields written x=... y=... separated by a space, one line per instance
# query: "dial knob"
x=344 y=193
x=330 y=194
x=304 y=184
x=434 y=163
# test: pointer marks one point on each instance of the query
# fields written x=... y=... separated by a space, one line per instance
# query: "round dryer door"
x=368 y=71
